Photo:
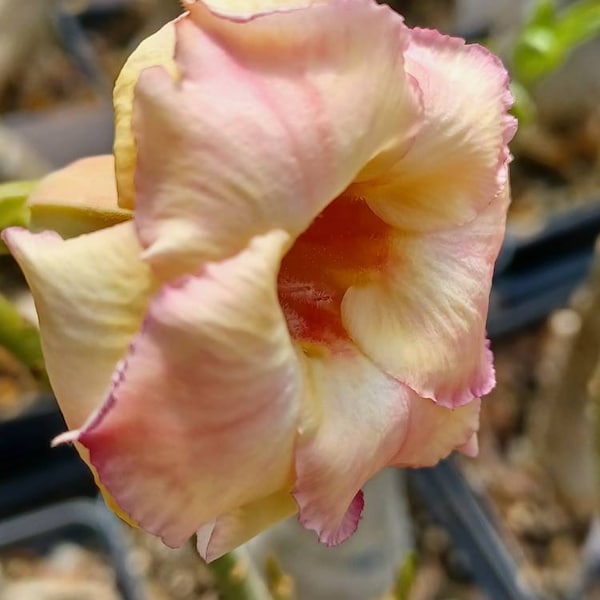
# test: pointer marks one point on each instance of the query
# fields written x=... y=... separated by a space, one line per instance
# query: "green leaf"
x=548 y=38
x=406 y=577
x=21 y=338
x=237 y=579
x=524 y=107
x=579 y=23
x=280 y=584
x=13 y=206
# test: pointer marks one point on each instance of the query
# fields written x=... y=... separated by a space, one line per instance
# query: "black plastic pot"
x=32 y=474
x=26 y=437
x=84 y=522
x=450 y=500
x=537 y=275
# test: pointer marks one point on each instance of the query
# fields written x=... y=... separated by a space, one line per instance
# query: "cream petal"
x=471 y=447
x=90 y=294
x=243 y=10
x=231 y=530
x=434 y=431
x=456 y=164
x=157 y=49
x=80 y=198
x=273 y=118
x=423 y=318
x=356 y=421
x=202 y=416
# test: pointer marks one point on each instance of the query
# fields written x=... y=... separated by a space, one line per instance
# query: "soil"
x=67 y=572
x=539 y=527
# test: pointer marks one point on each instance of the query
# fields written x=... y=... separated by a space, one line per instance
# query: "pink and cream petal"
x=471 y=447
x=354 y=422
x=157 y=49
x=80 y=198
x=276 y=147
x=456 y=164
x=434 y=431
x=422 y=319
x=90 y=293
x=202 y=417
x=230 y=530
x=244 y=10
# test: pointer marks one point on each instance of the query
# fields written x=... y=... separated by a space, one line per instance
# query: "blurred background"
x=535 y=481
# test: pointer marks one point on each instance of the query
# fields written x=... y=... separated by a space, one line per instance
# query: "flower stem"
x=21 y=339
x=237 y=579
x=13 y=205
x=280 y=584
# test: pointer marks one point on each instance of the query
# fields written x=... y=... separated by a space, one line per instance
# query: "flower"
x=289 y=290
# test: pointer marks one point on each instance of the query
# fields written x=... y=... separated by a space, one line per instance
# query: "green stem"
x=280 y=584
x=13 y=206
x=237 y=579
x=406 y=577
x=21 y=339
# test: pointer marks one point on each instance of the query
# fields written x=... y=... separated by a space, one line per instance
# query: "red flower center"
x=346 y=245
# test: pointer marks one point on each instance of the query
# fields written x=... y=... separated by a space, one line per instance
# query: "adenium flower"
x=288 y=291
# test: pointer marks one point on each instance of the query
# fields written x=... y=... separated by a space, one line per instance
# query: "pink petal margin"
x=202 y=413
x=348 y=525
x=356 y=421
x=286 y=136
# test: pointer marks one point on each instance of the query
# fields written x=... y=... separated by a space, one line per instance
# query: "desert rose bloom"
x=288 y=291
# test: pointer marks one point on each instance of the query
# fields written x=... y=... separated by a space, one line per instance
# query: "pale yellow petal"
x=232 y=529
x=202 y=417
x=80 y=198
x=422 y=318
x=272 y=120
x=90 y=293
x=456 y=165
x=242 y=10
x=156 y=50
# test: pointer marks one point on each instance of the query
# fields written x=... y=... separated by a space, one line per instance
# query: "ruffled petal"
x=305 y=99
x=471 y=447
x=354 y=422
x=434 y=431
x=422 y=319
x=157 y=49
x=243 y=10
x=80 y=198
x=202 y=417
x=90 y=294
x=456 y=164
x=231 y=530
